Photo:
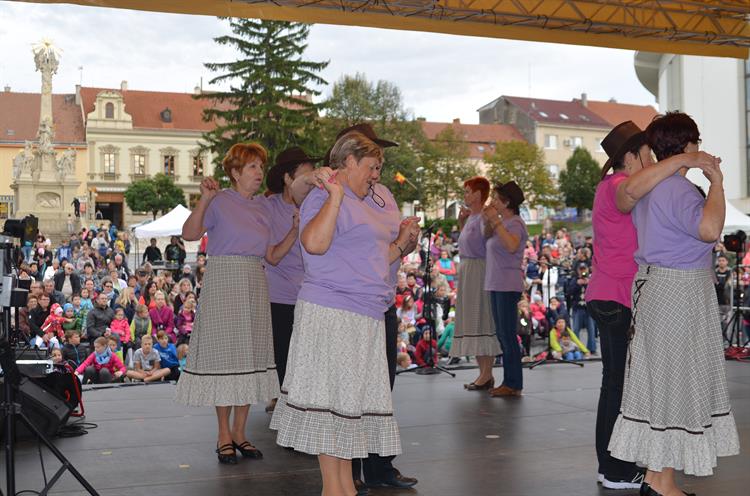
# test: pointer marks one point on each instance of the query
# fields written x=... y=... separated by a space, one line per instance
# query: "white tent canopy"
x=166 y=225
x=735 y=220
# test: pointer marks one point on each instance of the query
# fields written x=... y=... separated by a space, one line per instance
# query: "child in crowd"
x=73 y=351
x=47 y=340
x=182 y=353
x=168 y=355
x=120 y=328
x=564 y=343
x=114 y=345
x=140 y=326
x=102 y=366
x=403 y=362
x=85 y=301
x=56 y=356
x=539 y=314
x=524 y=326
x=54 y=322
x=420 y=354
x=72 y=322
x=147 y=362
x=185 y=319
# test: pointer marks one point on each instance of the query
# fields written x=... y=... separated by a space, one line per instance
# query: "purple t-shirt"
x=667 y=221
x=471 y=242
x=353 y=274
x=284 y=279
x=503 y=271
x=237 y=226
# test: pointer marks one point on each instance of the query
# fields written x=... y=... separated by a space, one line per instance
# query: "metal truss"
x=715 y=23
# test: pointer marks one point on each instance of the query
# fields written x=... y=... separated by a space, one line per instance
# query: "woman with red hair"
x=474 y=333
x=231 y=364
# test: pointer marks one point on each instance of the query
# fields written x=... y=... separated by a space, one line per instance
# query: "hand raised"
x=490 y=214
x=701 y=160
x=209 y=188
x=320 y=176
x=713 y=174
x=464 y=213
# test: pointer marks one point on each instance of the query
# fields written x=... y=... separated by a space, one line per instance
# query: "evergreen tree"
x=269 y=99
x=579 y=180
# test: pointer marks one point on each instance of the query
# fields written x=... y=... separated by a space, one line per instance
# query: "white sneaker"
x=599 y=478
x=634 y=483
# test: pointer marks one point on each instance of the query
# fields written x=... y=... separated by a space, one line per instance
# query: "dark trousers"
x=103 y=376
x=376 y=467
x=174 y=374
x=613 y=320
x=282 y=321
x=505 y=314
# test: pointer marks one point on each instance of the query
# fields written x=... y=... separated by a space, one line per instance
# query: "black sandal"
x=226 y=458
x=248 y=450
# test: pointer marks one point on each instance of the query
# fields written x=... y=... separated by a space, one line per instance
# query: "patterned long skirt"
x=474 y=333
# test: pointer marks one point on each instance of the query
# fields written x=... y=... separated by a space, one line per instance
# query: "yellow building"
x=19 y=122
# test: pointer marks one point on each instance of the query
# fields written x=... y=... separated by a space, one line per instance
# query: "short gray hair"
x=356 y=144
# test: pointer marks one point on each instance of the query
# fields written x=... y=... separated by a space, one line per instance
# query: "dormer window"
x=166 y=115
x=564 y=117
x=109 y=110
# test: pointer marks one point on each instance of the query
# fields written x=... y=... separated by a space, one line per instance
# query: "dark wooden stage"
x=455 y=442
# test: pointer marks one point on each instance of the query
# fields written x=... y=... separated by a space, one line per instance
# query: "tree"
x=523 y=163
x=578 y=182
x=154 y=194
x=271 y=87
x=447 y=166
x=353 y=100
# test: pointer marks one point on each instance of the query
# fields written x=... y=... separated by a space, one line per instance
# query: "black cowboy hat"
x=619 y=140
x=512 y=192
x=286 y=163
x=363 y=128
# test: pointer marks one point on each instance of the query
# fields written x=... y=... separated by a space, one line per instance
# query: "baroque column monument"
x=45 y=183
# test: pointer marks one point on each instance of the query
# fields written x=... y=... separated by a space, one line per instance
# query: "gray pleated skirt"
x=336 y=397
x=474 y=334
x=230 y=361
x=675 y=407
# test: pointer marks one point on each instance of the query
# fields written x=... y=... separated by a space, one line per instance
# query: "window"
x=564 y=117
x=169 y=161
x=584 y=118
x=480 y=148
x=139 y=164
x=108 y=159
x=599 y=145
x=543 y=114
x=550 y=141
x=198 y=165
x=576 y=142
x=109 y=110
x=554 y=170
x=193 y=200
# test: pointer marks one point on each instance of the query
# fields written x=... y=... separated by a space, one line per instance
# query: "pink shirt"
x=615 y=243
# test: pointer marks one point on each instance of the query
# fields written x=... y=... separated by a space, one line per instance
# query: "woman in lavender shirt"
x=284 y=279
x=338 y=405
x=506 y=238
x=675 y=412
x=230 y=364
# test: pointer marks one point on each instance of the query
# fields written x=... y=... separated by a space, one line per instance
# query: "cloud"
x=440 y=76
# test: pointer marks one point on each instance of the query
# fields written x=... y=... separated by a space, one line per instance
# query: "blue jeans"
x=505 y=312
x=581 y=319
x=573 y=355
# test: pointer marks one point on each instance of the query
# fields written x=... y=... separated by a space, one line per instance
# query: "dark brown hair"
x=669 y=134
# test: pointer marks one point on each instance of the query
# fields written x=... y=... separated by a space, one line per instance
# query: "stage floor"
x=455 y=442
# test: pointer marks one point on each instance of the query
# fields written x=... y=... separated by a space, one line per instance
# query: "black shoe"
x=647 y=490
x=248 y=450
x=225 y=457
x=396 y=480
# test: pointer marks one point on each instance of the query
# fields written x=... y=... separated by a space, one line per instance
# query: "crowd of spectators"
x=110 y=322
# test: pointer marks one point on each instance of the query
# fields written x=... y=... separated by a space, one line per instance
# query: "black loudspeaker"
x=44 y=409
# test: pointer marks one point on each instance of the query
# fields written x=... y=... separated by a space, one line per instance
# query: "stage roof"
x=716 y=28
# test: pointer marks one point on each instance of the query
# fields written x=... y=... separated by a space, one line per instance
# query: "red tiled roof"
x=615 y=113
x=146 y=106
x=480 y=137
x=557 y=112
x=19 y=118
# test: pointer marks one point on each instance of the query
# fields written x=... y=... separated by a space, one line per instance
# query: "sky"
x=441 y=77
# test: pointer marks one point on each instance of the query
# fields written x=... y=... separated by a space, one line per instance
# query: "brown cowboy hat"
x=619 y=140
x=512 y=192
x=286 y=163
x=363 y=128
